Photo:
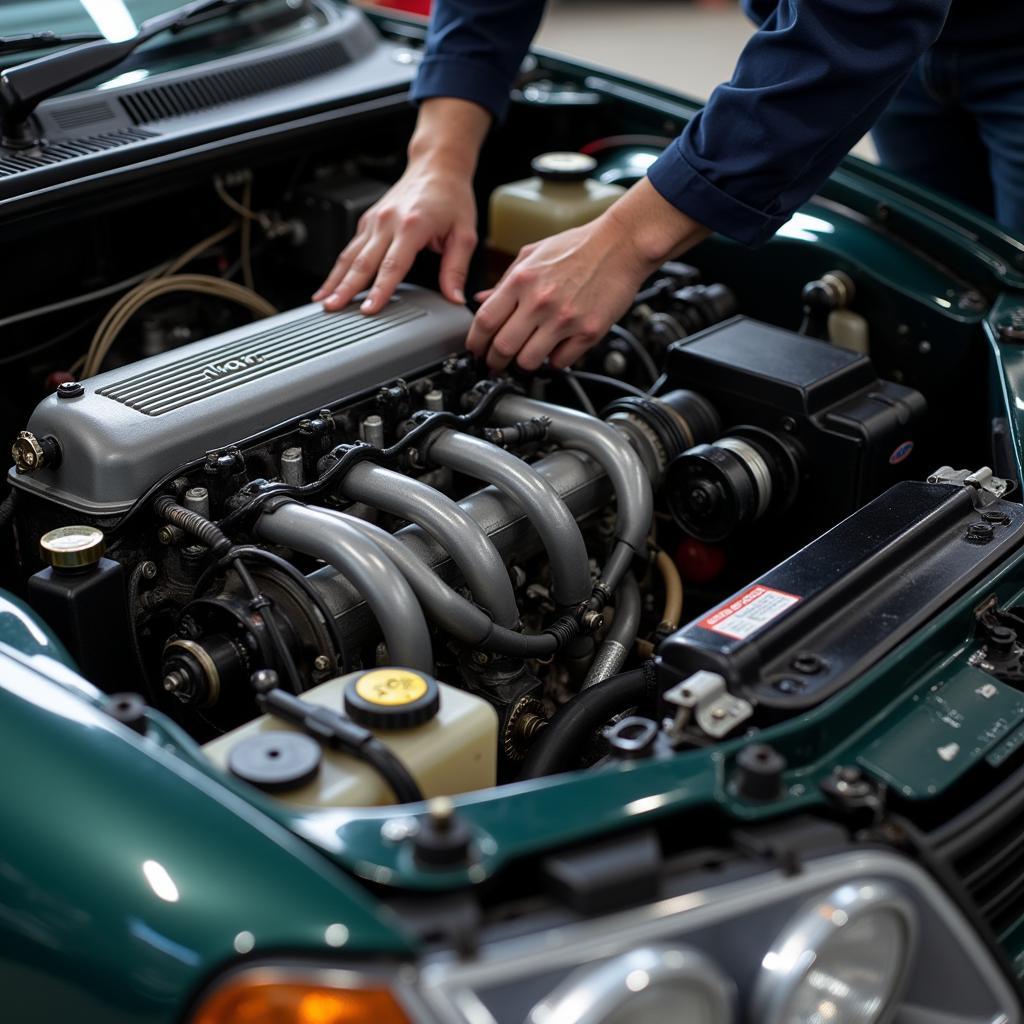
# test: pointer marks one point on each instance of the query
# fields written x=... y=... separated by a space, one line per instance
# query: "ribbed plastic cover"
x=134 y=425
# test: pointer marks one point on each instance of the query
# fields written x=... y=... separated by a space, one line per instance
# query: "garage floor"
x=687 y=46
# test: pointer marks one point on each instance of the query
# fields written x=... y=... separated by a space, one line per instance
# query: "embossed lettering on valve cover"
x=256 y=355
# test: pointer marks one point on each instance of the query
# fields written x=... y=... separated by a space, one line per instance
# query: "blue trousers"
x=957 y=126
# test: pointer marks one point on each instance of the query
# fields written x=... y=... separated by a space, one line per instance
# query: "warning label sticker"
x=747 y=613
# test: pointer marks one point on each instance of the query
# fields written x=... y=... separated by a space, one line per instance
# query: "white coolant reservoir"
x=561 y=195
x=448 y=745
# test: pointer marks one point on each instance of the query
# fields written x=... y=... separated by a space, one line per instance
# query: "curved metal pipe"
x=615 y=647
x=365 y=566
x=449 y=609
x=634 y=496
x=554 y=523
x=451 y=526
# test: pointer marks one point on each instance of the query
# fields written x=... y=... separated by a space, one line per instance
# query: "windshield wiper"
x=42 y=41
x=25 y=86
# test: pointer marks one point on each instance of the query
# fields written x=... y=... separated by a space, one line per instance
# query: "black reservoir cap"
x=276 y=761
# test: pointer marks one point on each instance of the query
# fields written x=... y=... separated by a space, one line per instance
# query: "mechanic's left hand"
x=562 y=294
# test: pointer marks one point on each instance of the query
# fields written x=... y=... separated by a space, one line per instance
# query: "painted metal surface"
x=126 y=877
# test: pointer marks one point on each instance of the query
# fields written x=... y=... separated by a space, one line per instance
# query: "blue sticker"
x=901 y=453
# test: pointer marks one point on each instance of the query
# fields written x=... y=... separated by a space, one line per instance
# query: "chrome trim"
x=756 y=467
x=592 y=994
x=447 y=985
x=796 y=949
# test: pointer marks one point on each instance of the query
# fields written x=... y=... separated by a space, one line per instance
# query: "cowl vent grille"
x=160 y=102
x=69 y=149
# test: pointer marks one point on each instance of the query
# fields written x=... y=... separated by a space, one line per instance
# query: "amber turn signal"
x=259 y=998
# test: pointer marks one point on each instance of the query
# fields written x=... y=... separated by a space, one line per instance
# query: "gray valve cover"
x=135 y=425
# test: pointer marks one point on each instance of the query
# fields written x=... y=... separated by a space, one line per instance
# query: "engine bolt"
x=528 y=725
x=978 y=533
x=591 y=622
x=175 y=681
x=168 y=534
x=148 y=570
x=322 y=663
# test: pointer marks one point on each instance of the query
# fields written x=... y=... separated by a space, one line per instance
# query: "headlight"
x=645 y=986
x=265 y=995
x=842 y=960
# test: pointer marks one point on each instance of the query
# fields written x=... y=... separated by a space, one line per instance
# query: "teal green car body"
x=132 y=872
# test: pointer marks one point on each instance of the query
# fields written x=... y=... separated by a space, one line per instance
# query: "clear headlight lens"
x=652 y=985
x=842 y=960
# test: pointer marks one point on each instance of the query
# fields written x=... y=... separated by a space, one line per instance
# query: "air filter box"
x=851 y=432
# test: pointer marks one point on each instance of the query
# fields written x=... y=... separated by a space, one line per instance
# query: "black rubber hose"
x=381 y=758
x=557 y=748
x=338 y=732
x=193 y=524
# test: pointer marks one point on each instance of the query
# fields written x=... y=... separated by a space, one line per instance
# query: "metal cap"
x=565 y=166
x=72 y=547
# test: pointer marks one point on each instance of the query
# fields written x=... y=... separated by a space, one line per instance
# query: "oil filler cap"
x=275 y=761
x=72 y=547
x=392 y=698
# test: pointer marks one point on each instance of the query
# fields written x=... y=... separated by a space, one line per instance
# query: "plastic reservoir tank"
x=562 y=195
x=454 y=750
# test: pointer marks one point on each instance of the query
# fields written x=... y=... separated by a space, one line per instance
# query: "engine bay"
x=358 y=569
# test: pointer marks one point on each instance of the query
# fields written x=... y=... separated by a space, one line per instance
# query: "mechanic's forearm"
x=655 y=229
x=808 y=84
x=448 y=136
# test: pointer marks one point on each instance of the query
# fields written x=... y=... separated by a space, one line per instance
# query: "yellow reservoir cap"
x=392 y=698
x=391 y=686
x=72 y=547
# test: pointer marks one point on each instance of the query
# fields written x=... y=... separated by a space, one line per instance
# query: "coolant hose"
x=621 y=636
x=449 y=609
x=557 y=748
x=449 y=524
x=363 y=563
x=548 y=514
x=634 y=496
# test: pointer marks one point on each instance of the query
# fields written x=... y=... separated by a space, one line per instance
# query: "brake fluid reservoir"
x=448 y=745
x=562 y=195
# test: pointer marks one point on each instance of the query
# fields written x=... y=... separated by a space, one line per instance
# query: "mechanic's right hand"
x=430 y=205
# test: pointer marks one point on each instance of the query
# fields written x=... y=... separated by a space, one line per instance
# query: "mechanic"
x=811 y=81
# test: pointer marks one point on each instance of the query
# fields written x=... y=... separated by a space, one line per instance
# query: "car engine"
x=328 y=530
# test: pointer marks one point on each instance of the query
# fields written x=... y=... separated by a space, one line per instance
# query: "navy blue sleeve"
x=811 y=81
x=474 y=49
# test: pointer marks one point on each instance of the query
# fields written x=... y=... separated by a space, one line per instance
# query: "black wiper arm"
x=25 y=86
x=42 y=41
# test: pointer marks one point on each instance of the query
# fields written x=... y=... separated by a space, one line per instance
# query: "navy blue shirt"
x=809 y=83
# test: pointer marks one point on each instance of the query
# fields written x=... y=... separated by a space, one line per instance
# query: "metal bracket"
x=982 y=480
x=704 y=700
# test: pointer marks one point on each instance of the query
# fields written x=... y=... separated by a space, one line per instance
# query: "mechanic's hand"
x=432 y=204
x=424 y=208
x=561 y=295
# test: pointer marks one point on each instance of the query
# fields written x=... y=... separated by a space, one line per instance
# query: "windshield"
x=260 y=25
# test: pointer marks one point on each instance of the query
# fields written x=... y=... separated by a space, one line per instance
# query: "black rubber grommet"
x=276 y=761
